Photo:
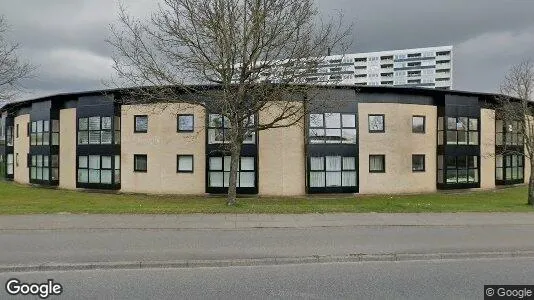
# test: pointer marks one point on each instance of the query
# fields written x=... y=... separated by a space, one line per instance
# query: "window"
x=333 y=171
x=509 y=133
x=54 y=170
x=376 y=123
x=2 y=166
x=459 y=169
x=141 y=124
x=95 y=169
x=332 y=128
x=418 y=163
x=55 y=132
x=17 y=131
x=140 y=163
x=219 y=172
x=40 y=133
x=418 y=124
x=40 y=167
x=509 y=167
x=377 y=163
x=9 y=136
x=94 y=130
x=184 y=164
x=462 y=131
x=16 y=159
x=186 y=123
x=218 y=126
x=9 y=164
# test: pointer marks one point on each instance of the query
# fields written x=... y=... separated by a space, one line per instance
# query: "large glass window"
x=218 y=126
x=141 y=124
x=459 y=169
x=462 y=131
x=333 y=171
x=40 y=133
x=94 y=130
x=509 y=167
x=332 y=128
x=97 y=169
x=219 y=171
x=508 y=133
x=40 y=167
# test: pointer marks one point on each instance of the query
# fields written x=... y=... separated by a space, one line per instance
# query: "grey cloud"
x=66 y=37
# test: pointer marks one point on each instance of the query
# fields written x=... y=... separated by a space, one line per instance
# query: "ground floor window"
x=2 y=166
x=458 y=169
x=333 y=171
x=44 y=167
x=98 y=169
x=509 y=167
x=219 y=171
x=9 y=164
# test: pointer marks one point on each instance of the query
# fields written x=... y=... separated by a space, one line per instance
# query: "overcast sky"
x=66 y=38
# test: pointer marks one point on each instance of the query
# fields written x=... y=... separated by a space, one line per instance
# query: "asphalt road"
x=446 y=279
x=23 y=247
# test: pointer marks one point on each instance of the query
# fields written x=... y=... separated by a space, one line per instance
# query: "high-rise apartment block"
x=421 y=67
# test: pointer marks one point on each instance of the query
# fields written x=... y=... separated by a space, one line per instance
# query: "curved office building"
x=368 y=140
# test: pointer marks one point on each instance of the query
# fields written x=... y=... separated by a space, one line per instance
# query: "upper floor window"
x=508 y=133
x=376 y=123
x=418 y=124
x=186 y=123
x=40 y=133
x=94 y=130
x=332 y=128
x=219 y=125
x=141 y=124
x=462 y=131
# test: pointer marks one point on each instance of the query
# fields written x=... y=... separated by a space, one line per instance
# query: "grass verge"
x=22 y=199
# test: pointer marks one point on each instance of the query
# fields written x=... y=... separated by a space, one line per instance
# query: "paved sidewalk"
x=239 y=221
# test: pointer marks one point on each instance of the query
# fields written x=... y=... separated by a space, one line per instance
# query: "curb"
x=359 y=257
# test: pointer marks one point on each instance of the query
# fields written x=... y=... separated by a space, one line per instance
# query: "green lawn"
x=21 y=199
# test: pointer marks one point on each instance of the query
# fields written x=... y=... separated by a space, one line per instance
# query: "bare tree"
x=245 y=57
x=516 y=107
x=12 y=69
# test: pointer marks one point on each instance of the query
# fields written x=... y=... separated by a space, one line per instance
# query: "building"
x=422 y=67
x=368 y=140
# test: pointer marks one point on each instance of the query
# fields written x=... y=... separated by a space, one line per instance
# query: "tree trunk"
x=235 y=152
x=531 y=183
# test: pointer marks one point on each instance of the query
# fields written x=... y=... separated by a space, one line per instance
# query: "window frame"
x=424 y=163
x=178 y=123
x=383 y=156
x=383 y=123
x=135 y=163
x=424 y=124
x=318 y=139
x=178 y=156
x=135 y=124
